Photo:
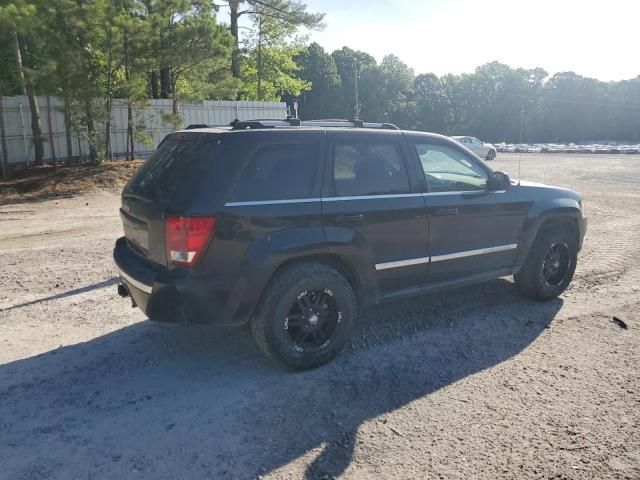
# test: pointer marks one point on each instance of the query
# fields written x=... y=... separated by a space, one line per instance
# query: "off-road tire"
x=268 y=321
x=530 y=279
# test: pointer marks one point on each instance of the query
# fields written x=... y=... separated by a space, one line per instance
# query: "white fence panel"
x=148 y=118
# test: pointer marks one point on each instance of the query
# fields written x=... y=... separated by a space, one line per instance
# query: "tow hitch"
x=123 y=291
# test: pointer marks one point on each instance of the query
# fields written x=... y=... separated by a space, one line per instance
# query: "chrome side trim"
x=370 y=197
x=402 y=263
x=471 y=253
x=355 y=197
x=136 y=283
x=324 y=199
x=271 y=202
x=448 y=256
x=433 y=194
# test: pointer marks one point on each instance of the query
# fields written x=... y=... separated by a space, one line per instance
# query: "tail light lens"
x=187 y=238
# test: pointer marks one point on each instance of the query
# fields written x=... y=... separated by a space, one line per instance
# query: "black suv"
x=292 y=225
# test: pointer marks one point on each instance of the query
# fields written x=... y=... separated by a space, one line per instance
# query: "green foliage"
x=174 y=120
x=90 y=51
x=195 y=49
x=348 y=62
x=269 y=70
x=319 y=69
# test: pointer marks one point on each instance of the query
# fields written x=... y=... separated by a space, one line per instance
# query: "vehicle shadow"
x=163 y=401
x=70 y=293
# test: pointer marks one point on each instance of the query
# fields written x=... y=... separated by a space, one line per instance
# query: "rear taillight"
x=187 y=238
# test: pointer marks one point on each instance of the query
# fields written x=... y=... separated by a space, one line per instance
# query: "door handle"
x=447 y=211
x=349 y=218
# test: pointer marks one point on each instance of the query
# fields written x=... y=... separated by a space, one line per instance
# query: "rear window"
x=165 y=171
x=278 y=172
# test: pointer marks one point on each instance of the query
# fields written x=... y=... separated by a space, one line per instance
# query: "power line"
x=575 y=102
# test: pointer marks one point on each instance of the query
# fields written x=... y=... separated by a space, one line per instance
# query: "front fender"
x=558 y=209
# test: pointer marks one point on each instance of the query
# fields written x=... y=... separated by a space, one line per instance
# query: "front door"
x=371 y=214
x=472 y=230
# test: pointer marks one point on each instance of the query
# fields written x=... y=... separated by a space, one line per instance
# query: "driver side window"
x=448 y=170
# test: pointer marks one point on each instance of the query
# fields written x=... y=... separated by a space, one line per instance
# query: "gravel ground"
x=471 y=383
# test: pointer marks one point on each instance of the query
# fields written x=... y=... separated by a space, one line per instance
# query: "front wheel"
x=491 y=154
x=305 y=316
x=550 y=265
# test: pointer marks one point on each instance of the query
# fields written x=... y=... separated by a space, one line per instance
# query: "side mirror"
x=498 y=181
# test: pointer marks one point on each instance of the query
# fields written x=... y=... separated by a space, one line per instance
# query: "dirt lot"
x=61 y=181
x=474 y=383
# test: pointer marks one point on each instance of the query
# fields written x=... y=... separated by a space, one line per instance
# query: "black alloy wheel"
x=305 y=316
x=312 y=320
x=555 y=264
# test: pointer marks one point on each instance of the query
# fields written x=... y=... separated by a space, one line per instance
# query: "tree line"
x=90 y=52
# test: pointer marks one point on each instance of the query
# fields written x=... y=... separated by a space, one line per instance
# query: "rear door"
x=472 y=230
x=372 y=215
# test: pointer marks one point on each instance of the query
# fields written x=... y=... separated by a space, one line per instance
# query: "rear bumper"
x=131 y=281
x=173 y=295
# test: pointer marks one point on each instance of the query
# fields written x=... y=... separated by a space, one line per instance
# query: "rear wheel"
x=550 y=265
x=491 y=154
x=305 y=317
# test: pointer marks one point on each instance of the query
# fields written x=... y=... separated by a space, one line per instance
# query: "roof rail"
x=295 y=122
x=193 y=126
x=354 y=122
x=265 y=123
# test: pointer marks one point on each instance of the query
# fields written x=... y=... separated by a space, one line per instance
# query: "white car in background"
x=483 y=150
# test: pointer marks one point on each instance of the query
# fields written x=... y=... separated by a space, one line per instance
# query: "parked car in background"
x=483 y=150
x=603 y=148
x=521 y=148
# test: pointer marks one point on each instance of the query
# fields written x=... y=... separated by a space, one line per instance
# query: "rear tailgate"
x=167 y=183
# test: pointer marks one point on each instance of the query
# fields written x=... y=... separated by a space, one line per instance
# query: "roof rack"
x=193 y=126
x=265 y=123
x=294 y=122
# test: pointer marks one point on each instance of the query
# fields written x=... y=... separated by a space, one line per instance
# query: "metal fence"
x=147 y=119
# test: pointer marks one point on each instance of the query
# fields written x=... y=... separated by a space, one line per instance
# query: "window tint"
x=164 y=173
x=278 y=172
x=369 y=169
x=448 y=170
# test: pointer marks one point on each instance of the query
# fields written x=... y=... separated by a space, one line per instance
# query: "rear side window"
x=278 y=172
x=369 y=169
x=164 y=172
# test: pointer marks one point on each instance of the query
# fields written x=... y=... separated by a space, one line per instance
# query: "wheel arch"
x=342 y=266
x=362 y=292
x=567 y=218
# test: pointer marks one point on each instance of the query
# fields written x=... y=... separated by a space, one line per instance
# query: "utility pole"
x=522 y=118
x=259 y=62
x=521 y=134
x=355 y=71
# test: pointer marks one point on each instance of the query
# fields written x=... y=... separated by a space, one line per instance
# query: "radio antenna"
x=521 y=134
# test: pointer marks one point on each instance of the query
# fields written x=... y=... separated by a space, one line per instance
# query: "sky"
x=597 y=39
